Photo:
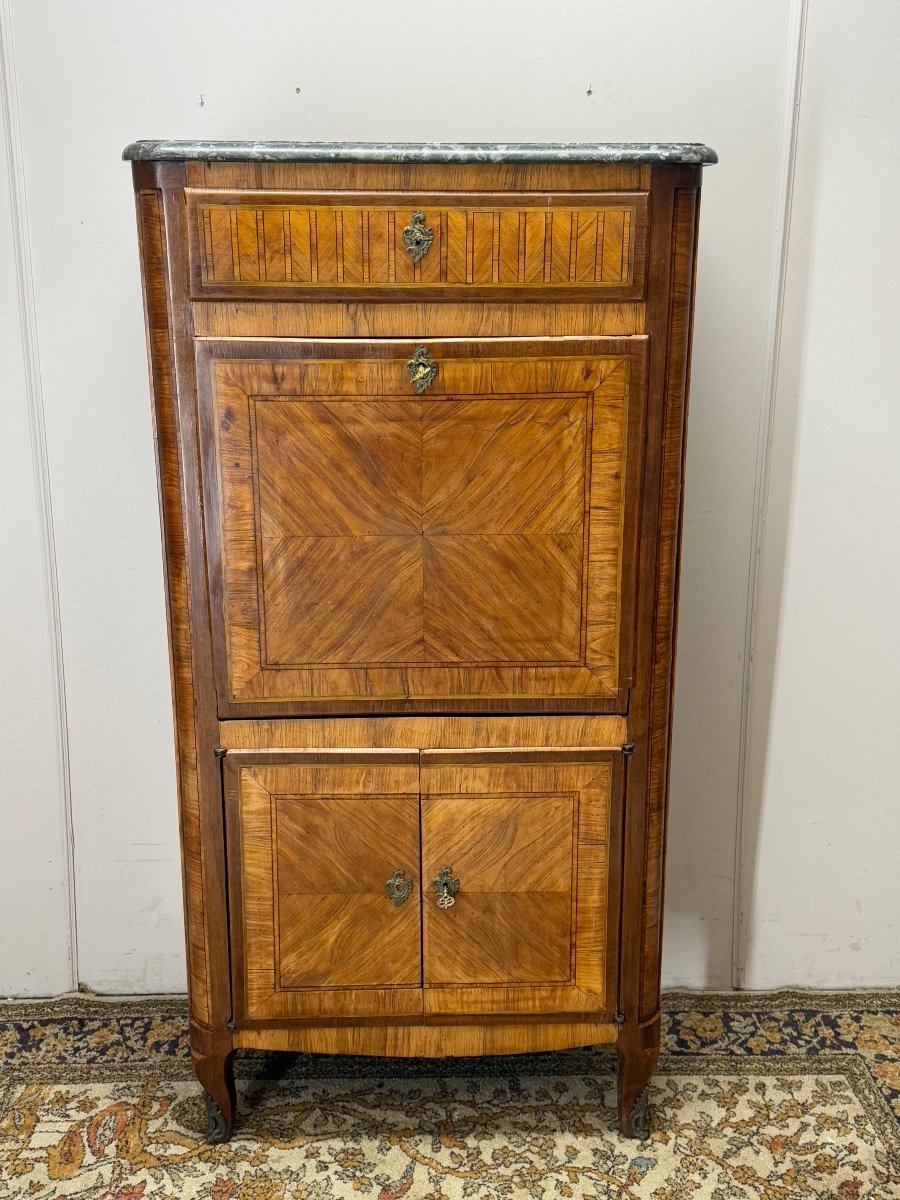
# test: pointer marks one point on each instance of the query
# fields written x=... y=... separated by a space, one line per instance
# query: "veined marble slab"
x=688 y=153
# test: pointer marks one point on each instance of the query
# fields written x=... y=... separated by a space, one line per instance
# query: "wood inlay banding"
x=517 y=243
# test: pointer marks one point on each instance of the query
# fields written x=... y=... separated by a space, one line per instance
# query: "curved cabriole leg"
x=213 y=1060
x=638 y=1048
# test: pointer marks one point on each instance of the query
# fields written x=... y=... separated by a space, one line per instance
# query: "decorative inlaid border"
x=280 y=245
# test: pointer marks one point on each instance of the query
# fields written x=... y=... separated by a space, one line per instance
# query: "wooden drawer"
x=270 y=245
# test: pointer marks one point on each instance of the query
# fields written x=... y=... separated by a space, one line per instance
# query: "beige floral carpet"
x=773 y=1096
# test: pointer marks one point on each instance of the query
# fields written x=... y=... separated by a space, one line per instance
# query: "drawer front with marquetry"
x=442 y=527
x=269 y=245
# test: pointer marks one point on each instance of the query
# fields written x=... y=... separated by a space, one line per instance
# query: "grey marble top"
x=690 y=153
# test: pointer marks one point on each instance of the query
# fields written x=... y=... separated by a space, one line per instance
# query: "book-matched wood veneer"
x=532 y=837
x=472 y=548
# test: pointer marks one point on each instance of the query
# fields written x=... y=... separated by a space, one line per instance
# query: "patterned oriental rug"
x=777 y=1096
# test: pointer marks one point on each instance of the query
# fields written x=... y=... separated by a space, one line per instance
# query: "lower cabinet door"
x=324 y=883
x=520 y=880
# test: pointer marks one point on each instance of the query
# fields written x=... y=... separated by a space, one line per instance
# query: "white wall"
x=821 y=879
x=35 y=920
x=95 y=75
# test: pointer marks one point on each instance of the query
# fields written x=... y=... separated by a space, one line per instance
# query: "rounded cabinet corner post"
x=420 y=435
x=164 y=273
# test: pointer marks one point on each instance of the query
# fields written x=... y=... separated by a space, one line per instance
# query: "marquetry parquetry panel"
x=258 y=243
x=532 y=836
x=468 y=544
x=531 y=928
x=317 y=836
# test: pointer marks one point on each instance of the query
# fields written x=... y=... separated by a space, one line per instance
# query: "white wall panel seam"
x=35 y=404
x=748 y=788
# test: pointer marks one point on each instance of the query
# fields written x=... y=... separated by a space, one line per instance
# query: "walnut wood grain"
x=637 y=1047
x=212 y=1059
x=336 y=925
x=315 y=835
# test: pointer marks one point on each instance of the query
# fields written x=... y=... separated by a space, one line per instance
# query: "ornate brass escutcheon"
x=421 y=370
x=446 y=887
x=417 y=237
x=398 y=887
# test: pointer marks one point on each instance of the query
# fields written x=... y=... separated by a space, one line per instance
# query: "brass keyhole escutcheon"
x=421 y=369
x=417 y=237
x=398 y=887
x=445 y=887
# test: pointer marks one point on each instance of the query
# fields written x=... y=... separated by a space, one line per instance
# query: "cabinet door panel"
x=472 y=548
x=315 y=838
x=533 y=839
x=514 y=858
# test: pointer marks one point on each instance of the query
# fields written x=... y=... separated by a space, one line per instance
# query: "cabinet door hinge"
x=219 y=752
x=628 y=749
x=619 y=1017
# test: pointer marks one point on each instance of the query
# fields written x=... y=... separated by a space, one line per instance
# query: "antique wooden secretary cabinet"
x=420 y=421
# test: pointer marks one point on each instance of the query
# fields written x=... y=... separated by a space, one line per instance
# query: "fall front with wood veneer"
x=472 y=546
